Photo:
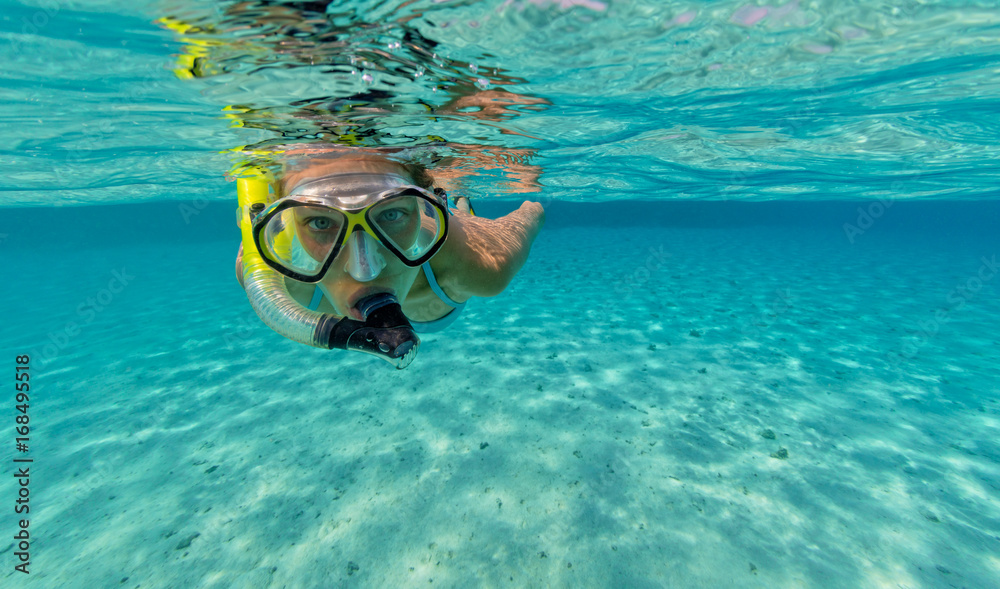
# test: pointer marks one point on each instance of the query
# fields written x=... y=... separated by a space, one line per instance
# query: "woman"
x=368 y=244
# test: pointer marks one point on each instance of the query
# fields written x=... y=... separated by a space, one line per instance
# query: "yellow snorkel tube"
x=249 y=192
x=266 y=288
x=385 y=332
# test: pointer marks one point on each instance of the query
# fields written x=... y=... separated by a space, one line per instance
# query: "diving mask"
x=300 y=234
x=365 y=262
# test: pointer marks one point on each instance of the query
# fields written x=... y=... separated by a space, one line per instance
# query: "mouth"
x=360 y=295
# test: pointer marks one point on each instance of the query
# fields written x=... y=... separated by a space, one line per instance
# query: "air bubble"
x=367 y=77
x=482 y=83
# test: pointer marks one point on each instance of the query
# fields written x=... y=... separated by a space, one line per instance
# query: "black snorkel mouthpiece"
x=385 y=332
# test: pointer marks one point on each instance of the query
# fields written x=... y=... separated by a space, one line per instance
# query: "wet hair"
x=421 y=177
x=311 y=155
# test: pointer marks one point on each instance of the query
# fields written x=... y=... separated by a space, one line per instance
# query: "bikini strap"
x=429 y=273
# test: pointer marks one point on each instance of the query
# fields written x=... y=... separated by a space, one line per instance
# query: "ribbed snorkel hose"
x=266 y=288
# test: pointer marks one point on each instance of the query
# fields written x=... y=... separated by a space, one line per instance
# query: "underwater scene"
x=500 y=293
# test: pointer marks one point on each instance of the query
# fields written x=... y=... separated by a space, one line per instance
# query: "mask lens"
x=409 y=223
x=301 y=239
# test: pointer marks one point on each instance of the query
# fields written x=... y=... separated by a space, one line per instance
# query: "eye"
x=391 y=215
x=319 y=223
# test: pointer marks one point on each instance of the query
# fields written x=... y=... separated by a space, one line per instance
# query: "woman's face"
x=318 y=229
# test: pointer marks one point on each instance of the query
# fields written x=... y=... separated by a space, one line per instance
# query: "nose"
x=364 y=260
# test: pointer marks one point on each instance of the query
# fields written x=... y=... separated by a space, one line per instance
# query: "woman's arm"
x=482 y=256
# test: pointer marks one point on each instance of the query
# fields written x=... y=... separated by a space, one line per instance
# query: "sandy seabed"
x=763 y=407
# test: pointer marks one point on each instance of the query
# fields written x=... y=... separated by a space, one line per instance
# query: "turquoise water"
x=755 y=344
x=639 y=99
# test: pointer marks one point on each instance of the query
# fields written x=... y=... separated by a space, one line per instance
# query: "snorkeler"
x=346 y=247
x=354 y=250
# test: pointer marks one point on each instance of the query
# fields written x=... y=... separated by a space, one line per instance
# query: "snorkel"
x=385 y=331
